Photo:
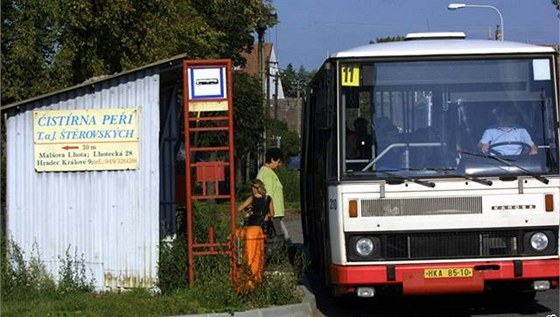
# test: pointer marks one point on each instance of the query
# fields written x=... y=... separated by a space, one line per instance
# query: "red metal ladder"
x=208 y=115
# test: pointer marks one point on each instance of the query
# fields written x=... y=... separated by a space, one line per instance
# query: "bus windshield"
x=447 y=118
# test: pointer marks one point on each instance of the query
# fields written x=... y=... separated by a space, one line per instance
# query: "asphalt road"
x=546 y=303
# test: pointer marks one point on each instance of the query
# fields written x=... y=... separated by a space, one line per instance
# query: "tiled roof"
x=252 y=65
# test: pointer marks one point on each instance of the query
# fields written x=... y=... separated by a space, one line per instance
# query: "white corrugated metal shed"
x=108 y=219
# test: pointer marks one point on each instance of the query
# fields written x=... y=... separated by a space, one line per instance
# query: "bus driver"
x=506 y=138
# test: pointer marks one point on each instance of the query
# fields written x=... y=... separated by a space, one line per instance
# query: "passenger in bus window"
x=506 y=138
x=358 y=142
x=387 y=134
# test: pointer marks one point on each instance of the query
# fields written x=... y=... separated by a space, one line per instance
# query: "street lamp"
x=457 y=6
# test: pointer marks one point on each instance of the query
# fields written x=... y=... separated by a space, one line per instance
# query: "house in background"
x=280 y=107
x=273 y=89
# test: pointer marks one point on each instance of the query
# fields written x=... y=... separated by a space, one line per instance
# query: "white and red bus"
x=396 y=192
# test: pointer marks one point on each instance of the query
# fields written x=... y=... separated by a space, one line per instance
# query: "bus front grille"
x=433 y=245
x=420 y=206
x=467 y=244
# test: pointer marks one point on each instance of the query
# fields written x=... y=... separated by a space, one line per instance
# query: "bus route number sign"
x=350 y=75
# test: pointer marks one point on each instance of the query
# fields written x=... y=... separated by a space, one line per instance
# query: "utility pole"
x=260 y=56
x=276 y=95
x=262 y=24
x=260 y=47
x=274 y=73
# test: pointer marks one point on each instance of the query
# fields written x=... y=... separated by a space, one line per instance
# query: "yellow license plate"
x=453 y=272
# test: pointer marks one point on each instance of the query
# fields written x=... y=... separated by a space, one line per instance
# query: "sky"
x=310 y=30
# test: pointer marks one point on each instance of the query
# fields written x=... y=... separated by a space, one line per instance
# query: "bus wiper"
x=467 y=177
x=540 y=178
x=417 y=181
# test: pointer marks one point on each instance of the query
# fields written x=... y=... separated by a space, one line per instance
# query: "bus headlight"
x=364 y=246
x=539 y=241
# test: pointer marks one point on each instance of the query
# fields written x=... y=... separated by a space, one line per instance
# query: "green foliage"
x=249 y=114
x=209 y=214
x=29 y=35
x=290 y=142
x=279 y=279
x=290 y=183
x=236 y=20
x=172 y=265
x=29 y=280
x=112 y=36
x=72 y=274
x=293 y=82
x=278 y=288
x=213 y=289
x=556 y=5
x=21 y=279
x=132 y=303
x=51 y=44
x=28 y=290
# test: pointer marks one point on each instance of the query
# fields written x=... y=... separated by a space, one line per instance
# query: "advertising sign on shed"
x=86 y=140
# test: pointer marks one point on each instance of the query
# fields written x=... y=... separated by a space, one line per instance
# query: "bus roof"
x=432 y=47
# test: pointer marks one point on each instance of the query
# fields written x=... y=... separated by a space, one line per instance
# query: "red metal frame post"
x=204 y=91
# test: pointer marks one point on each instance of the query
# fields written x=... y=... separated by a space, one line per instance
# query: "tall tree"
x=294 y=82
x=50 y=44
x=237 y=19
x=289 y=80
x=289 y=140
x=29 y=37
x=105 y=37
x=556 y=4
x=249 y=120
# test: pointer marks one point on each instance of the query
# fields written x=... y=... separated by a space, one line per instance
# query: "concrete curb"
x=305 y=309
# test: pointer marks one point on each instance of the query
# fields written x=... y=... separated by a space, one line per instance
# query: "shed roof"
x=169 y=63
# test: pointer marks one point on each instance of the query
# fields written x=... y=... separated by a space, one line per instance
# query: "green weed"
x=29 y=290
x=213 y=282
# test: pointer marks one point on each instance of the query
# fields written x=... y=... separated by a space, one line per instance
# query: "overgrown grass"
x=136 y=302
x=213 y=272
x=29 y=290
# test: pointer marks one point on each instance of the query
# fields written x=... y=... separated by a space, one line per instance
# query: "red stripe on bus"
x=411 y=276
